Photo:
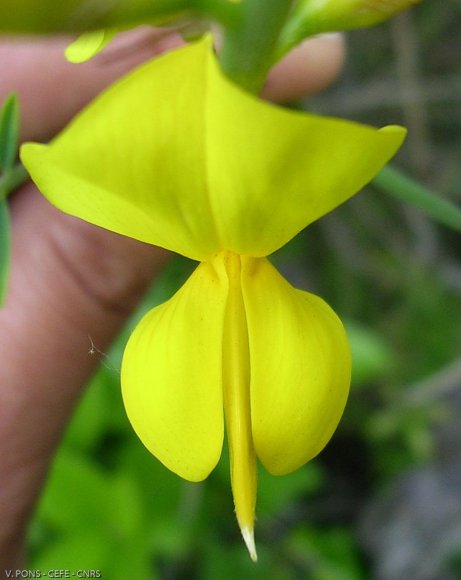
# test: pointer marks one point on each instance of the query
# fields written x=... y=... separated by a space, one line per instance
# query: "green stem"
x=406 y=189
x=223 y=11
x=248 y=48
x=12 y=179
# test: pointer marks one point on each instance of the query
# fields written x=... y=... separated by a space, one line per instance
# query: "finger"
x=71 y=285
x=307 y=69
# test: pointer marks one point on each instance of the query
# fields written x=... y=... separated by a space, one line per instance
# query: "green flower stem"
x=226 y=12
x=406 y=189
x=12 y=179
x=248 y=48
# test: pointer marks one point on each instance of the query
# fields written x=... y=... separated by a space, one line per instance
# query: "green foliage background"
x=395 y=277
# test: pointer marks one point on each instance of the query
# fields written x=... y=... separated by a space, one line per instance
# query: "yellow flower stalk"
x=176 y=155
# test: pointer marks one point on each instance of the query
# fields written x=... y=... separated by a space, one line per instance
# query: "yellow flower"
x=175 y=155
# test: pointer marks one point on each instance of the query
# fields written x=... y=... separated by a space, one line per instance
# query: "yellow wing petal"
x=300 y=368
x=172 y=376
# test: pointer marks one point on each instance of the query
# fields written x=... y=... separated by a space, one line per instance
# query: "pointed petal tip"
x=249 y=539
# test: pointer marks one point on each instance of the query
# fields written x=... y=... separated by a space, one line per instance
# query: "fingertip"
x=307 y=69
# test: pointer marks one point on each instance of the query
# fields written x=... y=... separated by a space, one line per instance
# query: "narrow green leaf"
x=9 y=132
x=407 y=189
x=4 y=249
x=12 y=179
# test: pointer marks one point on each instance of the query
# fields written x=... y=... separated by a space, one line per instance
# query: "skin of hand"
x=70 y=280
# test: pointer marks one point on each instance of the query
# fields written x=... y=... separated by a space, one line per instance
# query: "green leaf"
x=4 y=249
x=85 y=549
x=161 y=500
x=9 y=132
x=277 y=493
x=329 y=553
x=392 y=181
x=93 y=417
x=227 y=562
x=372 y=356
x=78 y=494
x=12 y=179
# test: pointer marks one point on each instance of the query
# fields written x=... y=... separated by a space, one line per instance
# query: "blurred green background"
x=384 y=499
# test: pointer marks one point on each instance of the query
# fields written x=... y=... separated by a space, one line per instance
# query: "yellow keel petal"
x=236 y=383
x=300 y=368
x=172 y=376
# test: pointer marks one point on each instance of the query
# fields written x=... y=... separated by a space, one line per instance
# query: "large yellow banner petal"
x=300 y=368
x=172 y=376
x=175 y=155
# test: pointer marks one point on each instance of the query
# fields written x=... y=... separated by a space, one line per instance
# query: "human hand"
x=71 y=280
